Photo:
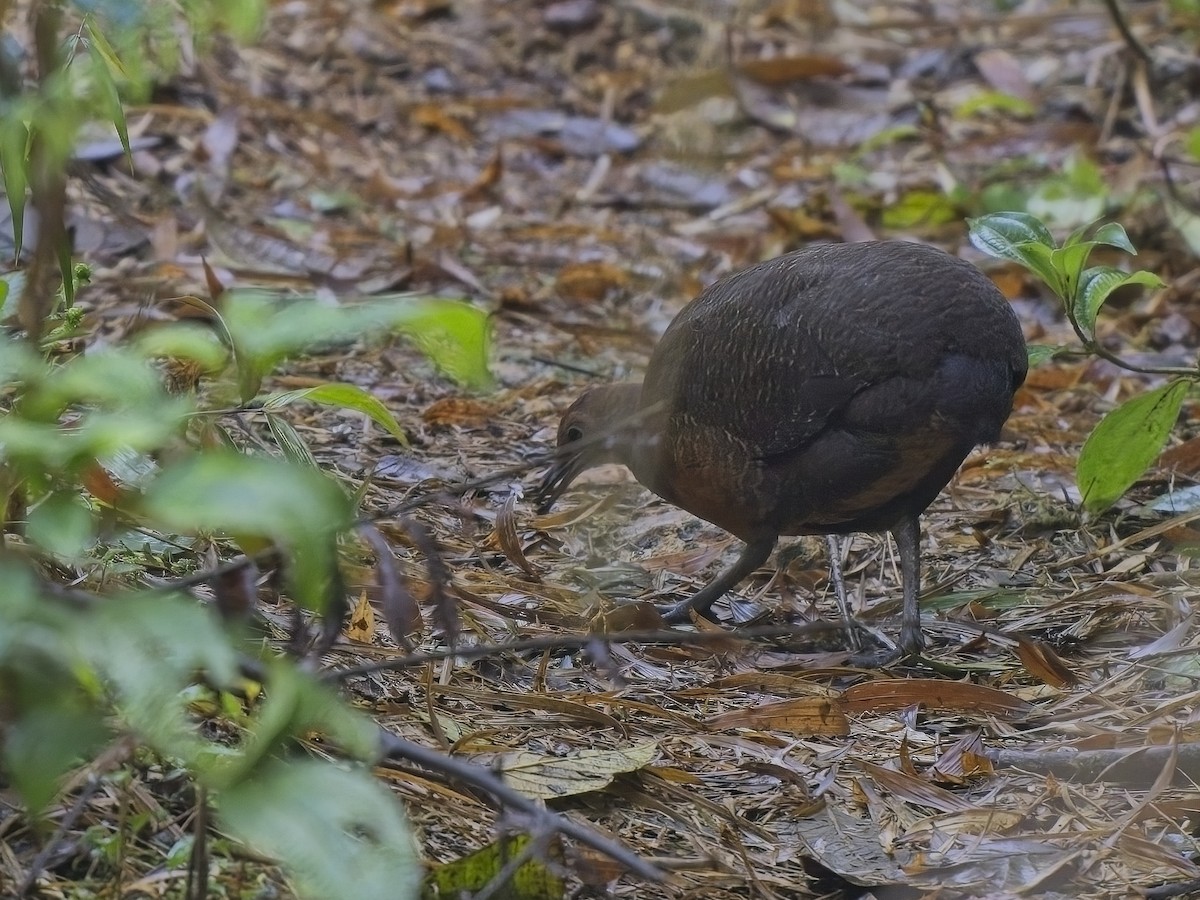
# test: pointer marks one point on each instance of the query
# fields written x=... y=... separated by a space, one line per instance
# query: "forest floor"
x=581 y=169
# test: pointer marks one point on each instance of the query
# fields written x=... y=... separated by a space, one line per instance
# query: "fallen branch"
x=542 y=820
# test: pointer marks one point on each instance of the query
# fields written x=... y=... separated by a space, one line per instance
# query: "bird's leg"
x=839 y=589
x=753 y=556
x=907 y=533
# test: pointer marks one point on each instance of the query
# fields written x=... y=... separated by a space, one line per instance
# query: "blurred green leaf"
x=919 y=208
x=148 y=649
x=343 y=396
x=1040 y=353
x=1125 y=443
x=1193 y=142
x=47 y=740
x=993 y=101
x=110 y=97
x=183 y=341
x=339 y=833
x=62 y=524
x=14 y=161
x=297 y=704
x=256 y=497
x=288 y=440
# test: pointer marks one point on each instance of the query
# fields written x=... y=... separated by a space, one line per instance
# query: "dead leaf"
x=361 y=627
x=785 y=69
x=1044 y=664
x=464 y=412
x=544 y=777
x=802 y=715
x=510 y=542
x=892 y=694
x=435 y=117
x=589 y=282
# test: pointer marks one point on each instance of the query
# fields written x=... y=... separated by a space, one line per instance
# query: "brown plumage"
x=831 y=390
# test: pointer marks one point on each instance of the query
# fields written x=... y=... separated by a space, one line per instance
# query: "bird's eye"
x=574 y=433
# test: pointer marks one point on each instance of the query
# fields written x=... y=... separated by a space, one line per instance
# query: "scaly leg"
x=907 y=533
x=839 y=589
x=753 y=556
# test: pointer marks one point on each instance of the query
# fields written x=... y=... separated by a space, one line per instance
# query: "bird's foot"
x=676 y=613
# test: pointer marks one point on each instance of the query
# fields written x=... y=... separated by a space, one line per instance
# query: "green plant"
x=1129 y=438
x=103 y=464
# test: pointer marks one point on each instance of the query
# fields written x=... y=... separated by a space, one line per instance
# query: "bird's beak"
x=565 y=469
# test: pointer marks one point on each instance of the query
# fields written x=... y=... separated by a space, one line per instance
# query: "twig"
x=662 y=637
x=542 y=819
x=1131 y=766
x=1131 y=42
x=66 y=824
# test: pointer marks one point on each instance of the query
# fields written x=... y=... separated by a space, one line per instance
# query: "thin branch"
x=542 y=820
x=1114 y=12
x=670 y=637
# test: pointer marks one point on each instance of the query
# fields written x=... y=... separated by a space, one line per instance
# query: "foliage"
x=1130 y=437
x=110 y=456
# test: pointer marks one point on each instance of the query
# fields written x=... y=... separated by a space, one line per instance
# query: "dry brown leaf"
x=488 y=178
x=589 y=282
x=575 y=514
x=784 y=69
x=1182 y=458
x=963 y=760
x=464 y=412
x=913 y=788
x=434 y=117
x=802 y=715
x=361 y=627
x=545 y=777
x=1044 y=664
x=100 y=484
x=889 y=695
x=510 y=542
x=627 y=617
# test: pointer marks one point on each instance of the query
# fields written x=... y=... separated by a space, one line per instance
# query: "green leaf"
x=1098 y=283
x=1040 y=353
x=1125 y=443
x=1020 y=238
x=464 y=877
x=296 y=705
x=453 y=334
x=1193 y=143
x=1068 y=263
x=339 y=833
x=288 y=440
x=183 y=341
x=148 y=649
x=1112 y=234
x=256 y=497
x=47 y=740
x=999 y=234
x=344 y=396
x=62 y=524
x=14 y=160
x=922 y=207
x=110 y=97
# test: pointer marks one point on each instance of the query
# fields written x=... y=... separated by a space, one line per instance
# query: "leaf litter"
x=581 y=170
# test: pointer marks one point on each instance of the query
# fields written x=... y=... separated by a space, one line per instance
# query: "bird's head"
x=597 y=428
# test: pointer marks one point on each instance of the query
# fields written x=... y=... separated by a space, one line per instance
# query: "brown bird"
x=832 y=390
